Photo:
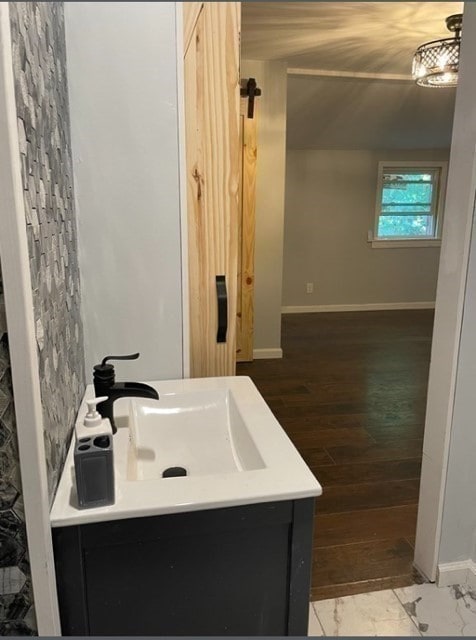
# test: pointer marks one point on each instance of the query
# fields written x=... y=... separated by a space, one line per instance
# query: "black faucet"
x=105 y=384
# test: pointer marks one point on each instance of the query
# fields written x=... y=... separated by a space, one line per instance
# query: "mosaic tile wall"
x=17 y=615
x=39 y=65
x=39 y=61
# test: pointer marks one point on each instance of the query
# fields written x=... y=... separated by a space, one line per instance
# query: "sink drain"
x=174 y=472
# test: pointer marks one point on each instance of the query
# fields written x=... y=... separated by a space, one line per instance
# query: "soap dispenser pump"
x=94 y=459
x=93 y=418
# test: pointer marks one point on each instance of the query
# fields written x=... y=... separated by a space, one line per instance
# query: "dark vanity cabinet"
x=237 y=571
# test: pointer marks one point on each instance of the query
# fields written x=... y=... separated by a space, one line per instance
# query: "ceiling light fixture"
x=436 y=63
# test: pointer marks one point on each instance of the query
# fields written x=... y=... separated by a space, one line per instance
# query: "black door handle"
x=222 y=300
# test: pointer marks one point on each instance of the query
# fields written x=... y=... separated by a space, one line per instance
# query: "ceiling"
x=374 y=37
x=352 y=38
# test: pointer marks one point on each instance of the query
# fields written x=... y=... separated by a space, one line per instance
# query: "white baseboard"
x=463 y=572
x=267 y=354
x=378 y=306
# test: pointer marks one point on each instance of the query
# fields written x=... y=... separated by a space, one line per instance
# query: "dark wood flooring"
x=350 y=392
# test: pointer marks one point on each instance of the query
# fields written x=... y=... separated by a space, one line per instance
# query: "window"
x=409 y=203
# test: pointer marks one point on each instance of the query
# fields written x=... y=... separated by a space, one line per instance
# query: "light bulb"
x=443 y=59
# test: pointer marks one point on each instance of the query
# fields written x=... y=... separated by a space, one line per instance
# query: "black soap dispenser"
x=94 y=459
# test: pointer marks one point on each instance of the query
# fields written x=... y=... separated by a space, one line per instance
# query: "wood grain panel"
x=307 y=437
x=340 y=474
x=240 y=240
x=368 y=495
x=246 y=256
x=356 y=568
x=317 y=456
x=387 y=432
x=360 y=526
x=385 y=450
x=191 y=12
x=212 y=138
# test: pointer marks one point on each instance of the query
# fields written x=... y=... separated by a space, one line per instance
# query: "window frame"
x=401 y=241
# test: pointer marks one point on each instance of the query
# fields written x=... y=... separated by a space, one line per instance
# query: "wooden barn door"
x=246 y=233
x=212 y=120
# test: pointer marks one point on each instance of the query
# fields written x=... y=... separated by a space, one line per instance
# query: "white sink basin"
x=219 y=430
x=202 y=432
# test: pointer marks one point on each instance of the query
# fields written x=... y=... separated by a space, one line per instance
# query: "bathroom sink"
x=202 y=433
x=218 y=431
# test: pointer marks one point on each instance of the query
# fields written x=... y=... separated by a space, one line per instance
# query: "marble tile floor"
x=419 y=610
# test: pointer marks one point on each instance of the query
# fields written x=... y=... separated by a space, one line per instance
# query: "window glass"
x=405 y=226
x=408 y=204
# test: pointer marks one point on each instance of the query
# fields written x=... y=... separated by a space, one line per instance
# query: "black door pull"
x=222 y=300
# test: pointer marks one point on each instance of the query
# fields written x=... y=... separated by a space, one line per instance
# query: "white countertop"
x=284 y=477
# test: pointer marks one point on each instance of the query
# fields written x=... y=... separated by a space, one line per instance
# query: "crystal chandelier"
x=435 y=64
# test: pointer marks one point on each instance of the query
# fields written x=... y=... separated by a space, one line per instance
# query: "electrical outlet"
x=310 y=287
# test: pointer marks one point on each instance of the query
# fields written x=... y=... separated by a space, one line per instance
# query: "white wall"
x=447 y=346
x=458 y=531
x=270 y=182
x=330 y=207
x=123 y=98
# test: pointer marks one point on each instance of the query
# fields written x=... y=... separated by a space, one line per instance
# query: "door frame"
x=23 y=354
x=451 y=289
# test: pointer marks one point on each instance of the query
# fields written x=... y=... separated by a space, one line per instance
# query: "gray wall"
x=458 y=533
x=330 y=207
x=122 y=75
x=270 y=181
x=358 y=113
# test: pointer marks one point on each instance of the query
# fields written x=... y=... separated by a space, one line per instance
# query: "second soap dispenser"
x=94 y=459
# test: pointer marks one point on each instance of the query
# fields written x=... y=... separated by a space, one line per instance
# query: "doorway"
x=412 y=314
